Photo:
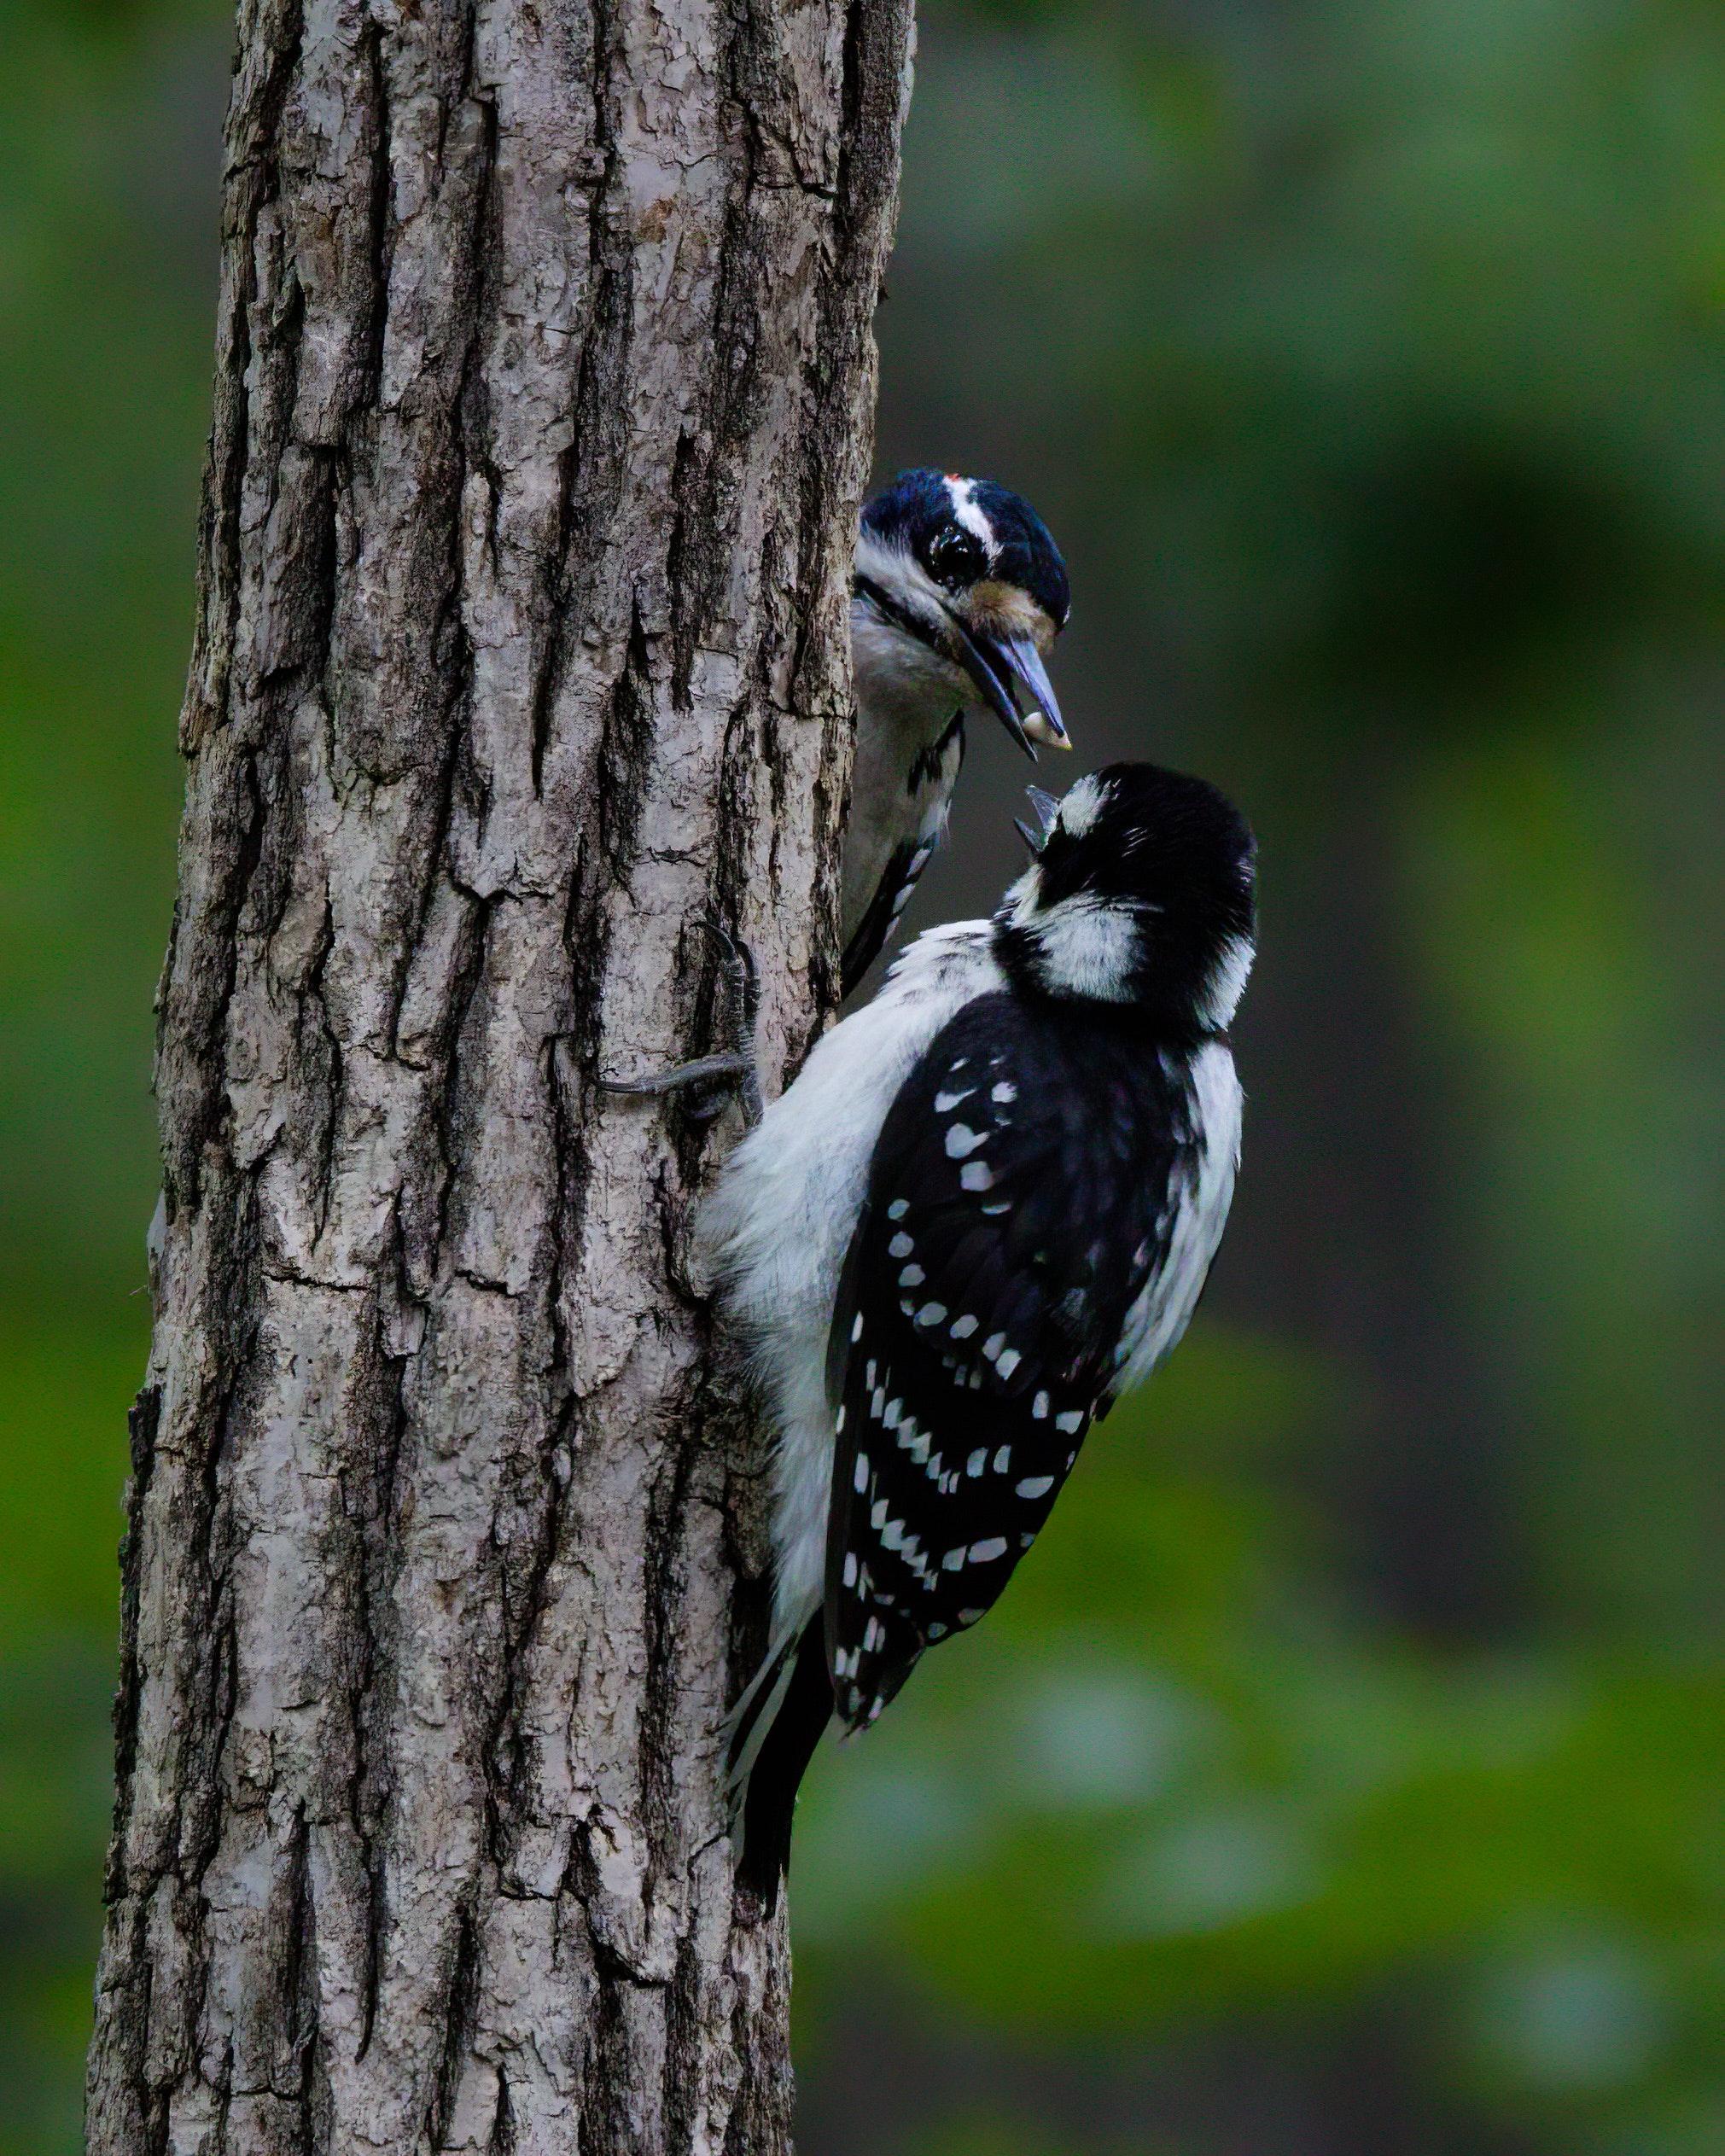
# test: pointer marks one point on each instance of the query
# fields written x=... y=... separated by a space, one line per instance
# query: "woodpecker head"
x=1142 y=893
x=969 y=571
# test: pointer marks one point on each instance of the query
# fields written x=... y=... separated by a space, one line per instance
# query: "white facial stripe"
x=1082 y=806
x=876 y=560
x=963 y=492
x=1087 y=947
x=898 y=573
x=1227 y=982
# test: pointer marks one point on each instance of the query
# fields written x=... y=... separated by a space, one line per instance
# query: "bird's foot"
x=731 y=1073
x=717 y=1077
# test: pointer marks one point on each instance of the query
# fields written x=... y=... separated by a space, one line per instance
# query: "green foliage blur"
x=108 y=165
x=1344 y=1774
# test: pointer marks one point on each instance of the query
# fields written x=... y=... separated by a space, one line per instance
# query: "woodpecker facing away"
x=959 y=591
x=984 y=1209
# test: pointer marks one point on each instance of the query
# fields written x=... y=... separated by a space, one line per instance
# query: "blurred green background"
x=1345 y=1774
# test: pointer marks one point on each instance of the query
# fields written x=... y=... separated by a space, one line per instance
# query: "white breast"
x=779 y=1221
x=907 y=695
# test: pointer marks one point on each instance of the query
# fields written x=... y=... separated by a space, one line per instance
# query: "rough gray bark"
x=543 y=391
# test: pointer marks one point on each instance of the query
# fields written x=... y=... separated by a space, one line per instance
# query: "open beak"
x=999 y=668
x=1047 y=809
x=1025 y=662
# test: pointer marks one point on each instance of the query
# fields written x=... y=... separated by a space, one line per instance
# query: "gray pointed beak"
x=1024 y=662
x=1047 y=809
x=989 y=666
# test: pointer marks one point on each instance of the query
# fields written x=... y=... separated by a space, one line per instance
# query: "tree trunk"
x=544 y=394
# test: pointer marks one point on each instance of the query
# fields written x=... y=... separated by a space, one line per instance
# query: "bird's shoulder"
x=1013 y=1093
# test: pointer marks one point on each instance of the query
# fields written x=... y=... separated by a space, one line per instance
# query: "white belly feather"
x=779 y=1221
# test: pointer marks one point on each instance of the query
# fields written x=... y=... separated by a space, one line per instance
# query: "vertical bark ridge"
x=544 y=383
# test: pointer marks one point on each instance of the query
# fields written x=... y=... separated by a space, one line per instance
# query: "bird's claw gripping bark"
x=732 y=1072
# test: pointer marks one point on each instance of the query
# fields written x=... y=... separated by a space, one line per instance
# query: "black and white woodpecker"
x=959 y=594
x=984 y=1209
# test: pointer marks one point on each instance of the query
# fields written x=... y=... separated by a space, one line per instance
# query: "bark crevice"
x=543 y=384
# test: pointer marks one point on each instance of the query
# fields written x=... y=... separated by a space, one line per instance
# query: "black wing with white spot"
x=1022 y=1191
x=933 y=774
x=892 y=895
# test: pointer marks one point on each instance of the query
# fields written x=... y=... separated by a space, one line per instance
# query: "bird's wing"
x=1021 y=1196
x=905 y=864
x=929 y=794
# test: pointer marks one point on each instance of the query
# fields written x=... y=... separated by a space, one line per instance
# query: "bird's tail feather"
x=772 y=1733
x=744 y=1728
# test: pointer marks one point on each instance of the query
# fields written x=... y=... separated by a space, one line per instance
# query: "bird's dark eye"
x=955 y=556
